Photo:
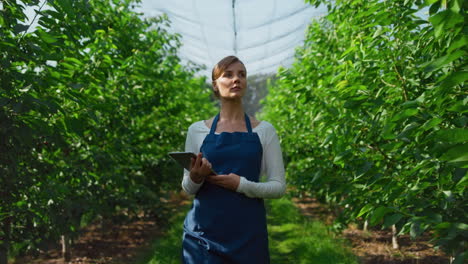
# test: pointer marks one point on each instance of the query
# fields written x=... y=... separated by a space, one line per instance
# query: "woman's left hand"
x=229 y=181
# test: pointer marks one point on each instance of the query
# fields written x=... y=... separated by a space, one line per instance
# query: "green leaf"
x=458 y=107
x=442 y=61
x=66 y=5
x=52 y=13
x=462 y=41
x=73 y=61
x=434 y=8
x=46 y=37
x=4 y=43
x=317 y=175
x=434 y=218
x=404 y=114
x=445 y=20
x=410 y=104
x=461 y=226
x=350 y=49
x=443 y=225
x=387 y=131
x=378 y=32
x=364 y=168
x=448 y=195
x=408 y=130
x=454 y=135
x=20 y=28
x=365 y=209
x=355 y=101
x=360 y=186
x=342 y=84
x=455 y=6
x=463 y=182
x=378 y=214
x=454 y=78
x=459 y=153
x=390 y=220
x=431 y=123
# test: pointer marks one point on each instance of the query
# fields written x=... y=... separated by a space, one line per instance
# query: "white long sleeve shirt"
x=274 y=186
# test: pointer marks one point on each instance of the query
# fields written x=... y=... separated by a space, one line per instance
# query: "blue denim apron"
x=225 y=226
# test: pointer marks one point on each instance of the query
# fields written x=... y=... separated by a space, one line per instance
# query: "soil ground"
x=122 y=243
x=375 y=246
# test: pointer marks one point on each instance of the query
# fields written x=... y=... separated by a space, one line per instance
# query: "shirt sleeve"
x=273 y=166
x=188 y=185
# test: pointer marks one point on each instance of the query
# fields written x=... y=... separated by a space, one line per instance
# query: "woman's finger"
x=199 y=160
x=229 y=181
x=206 y=163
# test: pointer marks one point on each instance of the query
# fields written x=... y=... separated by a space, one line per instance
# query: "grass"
x=293 y=239
x=297 y=239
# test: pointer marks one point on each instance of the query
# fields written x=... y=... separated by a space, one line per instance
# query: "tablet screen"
x=184 y=159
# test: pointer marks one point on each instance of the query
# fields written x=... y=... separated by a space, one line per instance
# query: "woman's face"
x=233 y=82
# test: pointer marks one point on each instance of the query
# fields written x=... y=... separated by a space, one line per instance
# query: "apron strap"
x=213 y=125
x=247 y=123
x=215 y=122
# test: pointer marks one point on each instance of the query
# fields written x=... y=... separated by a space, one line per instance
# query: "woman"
x=227 y=221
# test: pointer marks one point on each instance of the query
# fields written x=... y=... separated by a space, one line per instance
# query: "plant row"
x=373 y=116
x=91 y=101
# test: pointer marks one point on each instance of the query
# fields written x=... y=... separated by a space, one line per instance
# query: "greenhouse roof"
x=262 y=33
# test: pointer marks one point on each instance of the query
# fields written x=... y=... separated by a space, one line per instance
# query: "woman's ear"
x=215 y=89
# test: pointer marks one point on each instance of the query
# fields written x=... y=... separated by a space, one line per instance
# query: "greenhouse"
x=311 y=131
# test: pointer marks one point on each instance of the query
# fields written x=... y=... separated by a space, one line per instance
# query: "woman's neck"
x=231 y=111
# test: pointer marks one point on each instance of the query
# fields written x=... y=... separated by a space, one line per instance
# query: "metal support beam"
x=234 y=26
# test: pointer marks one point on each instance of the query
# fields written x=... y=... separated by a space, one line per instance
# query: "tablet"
x=184 y=159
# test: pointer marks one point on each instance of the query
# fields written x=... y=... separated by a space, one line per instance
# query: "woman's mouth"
x=236 y=88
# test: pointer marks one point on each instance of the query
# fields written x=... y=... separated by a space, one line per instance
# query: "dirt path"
x=375 y=246
x=122 y=243
x=112 y=243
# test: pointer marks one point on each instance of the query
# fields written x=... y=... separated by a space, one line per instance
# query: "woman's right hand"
x=200 y=168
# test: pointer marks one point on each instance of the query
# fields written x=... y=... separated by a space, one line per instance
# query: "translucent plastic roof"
x=262 y=33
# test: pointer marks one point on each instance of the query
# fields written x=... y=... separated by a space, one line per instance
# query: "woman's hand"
x=229 y=181
x=199 y=169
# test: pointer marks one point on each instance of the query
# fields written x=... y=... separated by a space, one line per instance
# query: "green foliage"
x=295 y=239
x=372 y=115
x=91 y=102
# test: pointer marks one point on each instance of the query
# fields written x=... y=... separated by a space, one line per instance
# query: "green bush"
x=372 y=115
x=91 y=102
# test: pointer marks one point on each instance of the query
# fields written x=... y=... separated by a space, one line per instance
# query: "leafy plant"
x=372 y=115
x=91 y=102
